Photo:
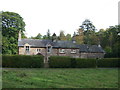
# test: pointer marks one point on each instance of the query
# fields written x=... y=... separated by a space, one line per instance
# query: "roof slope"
x=43 y=43
x=60 y=44
x=91 y=48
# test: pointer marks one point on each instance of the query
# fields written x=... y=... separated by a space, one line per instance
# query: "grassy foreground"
x=60 y=78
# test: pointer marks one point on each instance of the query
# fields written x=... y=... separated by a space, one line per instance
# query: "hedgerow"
x=22 y=61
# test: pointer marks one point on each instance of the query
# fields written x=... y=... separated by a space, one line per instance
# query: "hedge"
x=85 y=63
x=59 y=62
x=109 y=62
x=67 y=62
x=22 y=61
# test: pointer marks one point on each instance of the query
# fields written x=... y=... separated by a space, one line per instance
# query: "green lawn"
x=60 y=78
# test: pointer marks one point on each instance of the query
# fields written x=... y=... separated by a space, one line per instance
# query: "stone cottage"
x=54 y=47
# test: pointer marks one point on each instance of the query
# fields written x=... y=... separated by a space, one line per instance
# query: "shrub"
x=73 y=62
x=108 y=62
x=22 y=61
x=59 y=62
x=85 y=63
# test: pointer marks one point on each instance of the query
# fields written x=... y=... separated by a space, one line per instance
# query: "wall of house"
x=32 y=51
x=68 y=53
x=91 y=55
x=83 y=55
x=21 y=51
x=55 y=52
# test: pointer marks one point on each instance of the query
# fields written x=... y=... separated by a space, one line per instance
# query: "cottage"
x=49 y=48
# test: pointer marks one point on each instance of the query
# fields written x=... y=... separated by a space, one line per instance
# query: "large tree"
x=79 y=37
x=89 y=31
x=110 y=40
x=62 y=35
x=87 y=26
x=68 y=37
x=12 y=23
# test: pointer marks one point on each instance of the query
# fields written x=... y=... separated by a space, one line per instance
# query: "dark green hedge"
x=22 y=61
x=67 y=62
x=109 y=62
x=59 y=62
x=85 y=63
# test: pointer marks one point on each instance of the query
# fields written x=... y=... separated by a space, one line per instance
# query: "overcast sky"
x=67 y=15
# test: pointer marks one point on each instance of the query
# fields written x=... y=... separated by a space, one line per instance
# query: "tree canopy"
x=12 y=23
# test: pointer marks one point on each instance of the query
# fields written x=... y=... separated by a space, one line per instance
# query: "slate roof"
x=91 y=48
x=60 y=44
x=43 y=43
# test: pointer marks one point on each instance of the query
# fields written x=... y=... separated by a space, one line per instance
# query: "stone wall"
x=68 y=53
x=32 y=51
x=55 y=52
x=91 y=55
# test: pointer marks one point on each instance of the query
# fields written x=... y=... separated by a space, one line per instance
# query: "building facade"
x=49 y=48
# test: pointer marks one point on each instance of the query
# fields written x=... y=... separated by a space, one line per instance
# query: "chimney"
x=19 y=36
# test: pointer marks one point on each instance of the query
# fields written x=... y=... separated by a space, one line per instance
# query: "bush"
x=85 y=63
x=22 y=61
x=59 y=62
x=109 y=62
x=67 y=62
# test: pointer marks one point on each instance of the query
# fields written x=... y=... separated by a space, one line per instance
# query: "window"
x=61 y=50
x=73 y=51
x=27 y=49
x=49 y=49
x=38 y=50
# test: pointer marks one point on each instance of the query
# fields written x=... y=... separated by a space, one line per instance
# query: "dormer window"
x=73 y=51
x=27 y=48
x=49 y=49
x=61 y=50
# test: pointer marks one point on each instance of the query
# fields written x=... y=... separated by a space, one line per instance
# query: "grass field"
x=60 y=78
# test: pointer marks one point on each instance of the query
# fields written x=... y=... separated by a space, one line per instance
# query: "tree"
x=45 y=37
x=79 y=37
x=62 y=36
x=12 y=23
x=54 y=37
x=110 y=40
x=87 y=26
x=39 y=36
x=48 y=34
x=89 y=30
x=68 y=37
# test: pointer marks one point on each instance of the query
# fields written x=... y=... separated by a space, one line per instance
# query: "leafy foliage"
x=109 y=62
x=39 y=36
x=59 y=62
x=62 y=36
x=110 y=41
x=67 y=62
x=85 y=63
x=87 y=26
x=22 y=61
x=12 y=23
